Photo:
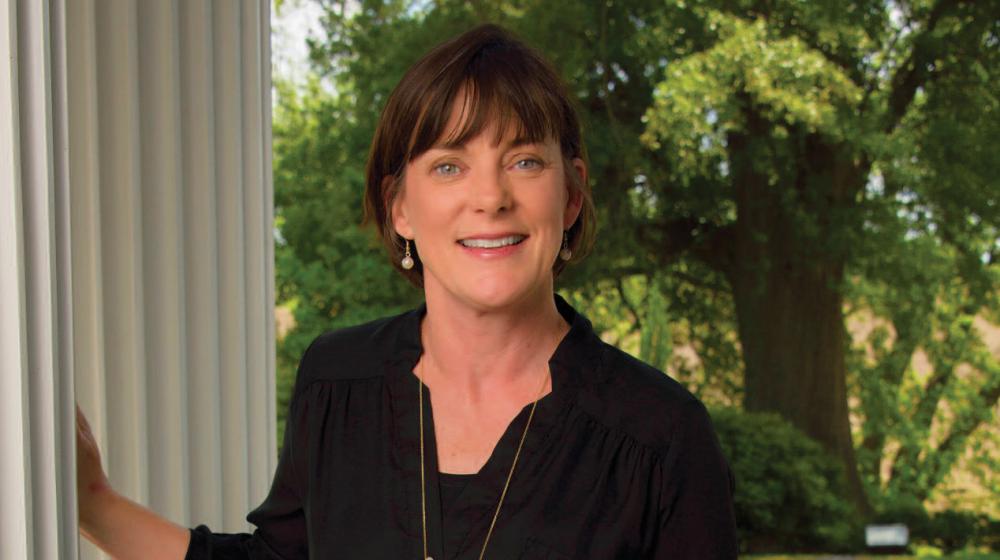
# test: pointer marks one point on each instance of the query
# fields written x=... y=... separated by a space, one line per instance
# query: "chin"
x=494 y=291
x=494 y=299
x=509 y=297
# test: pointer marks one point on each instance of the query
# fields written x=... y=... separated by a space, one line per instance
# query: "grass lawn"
x=959 y=556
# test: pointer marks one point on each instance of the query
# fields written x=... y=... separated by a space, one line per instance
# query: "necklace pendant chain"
x=506 y=484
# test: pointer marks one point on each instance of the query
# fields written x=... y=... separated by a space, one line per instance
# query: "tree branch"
x=699 y=282
x=955 y=442
x=708 y=243
x=914 y=73
x=907 y=459
x=628 y=304
x=891 y=369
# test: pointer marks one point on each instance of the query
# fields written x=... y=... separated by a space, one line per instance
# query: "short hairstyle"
x=504 y=83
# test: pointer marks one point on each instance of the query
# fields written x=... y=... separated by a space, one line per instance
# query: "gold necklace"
x=506 y=484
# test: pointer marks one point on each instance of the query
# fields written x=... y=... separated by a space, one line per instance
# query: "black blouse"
x=620 y=461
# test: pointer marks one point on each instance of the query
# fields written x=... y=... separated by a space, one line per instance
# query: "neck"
x=478 y=352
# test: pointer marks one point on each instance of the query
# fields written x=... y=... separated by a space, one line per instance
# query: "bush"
x=953 y=530
x=949 y=531
x=789 y=491
x=908 y=511
x=988 y=534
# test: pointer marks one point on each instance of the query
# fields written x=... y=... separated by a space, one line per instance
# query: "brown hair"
x=502 y=82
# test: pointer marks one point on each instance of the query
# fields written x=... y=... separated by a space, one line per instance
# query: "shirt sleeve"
x=280 y=519
x=696 y=502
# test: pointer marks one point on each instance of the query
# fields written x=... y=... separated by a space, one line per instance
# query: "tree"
x=919 y=420
x=758 y=155
x=798 y=117
x=330 y=270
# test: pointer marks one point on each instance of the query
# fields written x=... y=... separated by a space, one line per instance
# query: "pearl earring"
x=565 y=253
x=407 y=262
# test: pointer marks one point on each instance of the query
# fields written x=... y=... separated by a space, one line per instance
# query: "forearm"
x=126 y=530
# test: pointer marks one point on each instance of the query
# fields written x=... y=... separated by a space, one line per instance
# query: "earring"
x=565 y=253
x=407 y=262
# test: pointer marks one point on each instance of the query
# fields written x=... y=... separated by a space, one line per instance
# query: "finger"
x=84 y=434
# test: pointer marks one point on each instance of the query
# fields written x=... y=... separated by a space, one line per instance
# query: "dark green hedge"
x=789 y=491
x=951 y=531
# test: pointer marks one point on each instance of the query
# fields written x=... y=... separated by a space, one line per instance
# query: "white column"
x=136 y=259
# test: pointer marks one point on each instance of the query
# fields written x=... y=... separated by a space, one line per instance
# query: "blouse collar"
x=575 y=357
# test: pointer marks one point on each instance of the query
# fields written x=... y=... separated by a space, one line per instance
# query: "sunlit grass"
x=958 y=556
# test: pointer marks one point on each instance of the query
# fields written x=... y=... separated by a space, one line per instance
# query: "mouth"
x=492 y=243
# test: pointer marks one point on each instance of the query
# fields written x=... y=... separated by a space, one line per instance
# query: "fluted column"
x=136 y=259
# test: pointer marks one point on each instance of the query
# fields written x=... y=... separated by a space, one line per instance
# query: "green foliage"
x=331 y=271
x=920 y=422
x=699 y=101
x=933 y=553
x=681 y=325
x=906 y=510
x=949 y=531
x=847 y=140
x=988 y=533
x=953 y=530
x=866 y=129
x=789 y=491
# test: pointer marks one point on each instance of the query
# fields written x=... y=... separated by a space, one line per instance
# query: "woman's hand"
x=92 y=488
x=119 y=526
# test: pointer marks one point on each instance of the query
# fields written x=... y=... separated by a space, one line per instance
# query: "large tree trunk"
x=792 y=332
x=785 y=271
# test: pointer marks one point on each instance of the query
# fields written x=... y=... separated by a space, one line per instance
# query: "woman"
x=491 y=422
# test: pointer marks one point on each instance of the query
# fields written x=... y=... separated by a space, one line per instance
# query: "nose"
x=490 y=192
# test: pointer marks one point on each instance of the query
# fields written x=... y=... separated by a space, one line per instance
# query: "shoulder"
x=644 y=403
x=357 y=352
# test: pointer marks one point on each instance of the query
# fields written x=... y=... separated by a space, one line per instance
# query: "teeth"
x=492 y=243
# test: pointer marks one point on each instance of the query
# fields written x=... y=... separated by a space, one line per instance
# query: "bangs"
x=496 y=87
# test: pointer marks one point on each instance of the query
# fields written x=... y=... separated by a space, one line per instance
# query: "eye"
x=528 y=164
x=446 y=169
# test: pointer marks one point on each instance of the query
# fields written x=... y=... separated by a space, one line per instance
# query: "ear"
x=397 y=209
x=574 y=202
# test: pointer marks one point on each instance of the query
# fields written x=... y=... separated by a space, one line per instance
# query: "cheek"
x=554 y=205
x=430 y=215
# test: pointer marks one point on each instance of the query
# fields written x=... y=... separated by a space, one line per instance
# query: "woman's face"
x=488 y=219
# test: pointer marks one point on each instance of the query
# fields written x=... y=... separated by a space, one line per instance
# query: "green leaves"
x=701 y=97
x=733 y=144
x=789 y=493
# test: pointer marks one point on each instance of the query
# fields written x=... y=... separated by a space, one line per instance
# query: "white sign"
x=887 y=535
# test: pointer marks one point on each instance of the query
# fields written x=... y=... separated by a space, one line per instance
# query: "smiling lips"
x=492 y=247
x=492 y=243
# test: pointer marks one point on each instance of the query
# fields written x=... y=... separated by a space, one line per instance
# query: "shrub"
x=909 y=511
x=949 y=531
x=789 y=491
x=953 y=530
x=988 y=533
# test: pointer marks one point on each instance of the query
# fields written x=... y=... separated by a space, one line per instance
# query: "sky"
x=290 y=26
